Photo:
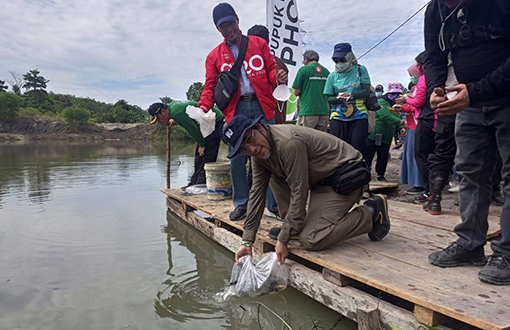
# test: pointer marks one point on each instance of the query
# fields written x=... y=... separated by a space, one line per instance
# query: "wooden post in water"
x=168 y=157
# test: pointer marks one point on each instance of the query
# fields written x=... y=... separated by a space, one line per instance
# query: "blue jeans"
x=240 y=185
x=480 y=133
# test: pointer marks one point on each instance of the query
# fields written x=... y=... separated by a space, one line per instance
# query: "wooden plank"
x=368 y=319
x=398 y=265
x=346 y=301
x=447 y=220
x=428 y=316
x=336 y=278
x=384 y=187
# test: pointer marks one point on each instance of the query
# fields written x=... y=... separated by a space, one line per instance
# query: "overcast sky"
x=141 y=50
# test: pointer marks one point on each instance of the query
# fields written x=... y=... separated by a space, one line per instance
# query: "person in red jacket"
x=253 y=98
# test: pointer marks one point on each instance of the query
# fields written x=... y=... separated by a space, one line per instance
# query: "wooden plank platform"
x=395 y=266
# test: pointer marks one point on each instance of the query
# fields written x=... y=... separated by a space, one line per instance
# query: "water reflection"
x=195 y=278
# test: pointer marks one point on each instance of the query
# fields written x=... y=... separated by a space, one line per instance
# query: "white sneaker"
x=454 y=189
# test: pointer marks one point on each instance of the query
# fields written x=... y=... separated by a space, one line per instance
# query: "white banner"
x=285 y=34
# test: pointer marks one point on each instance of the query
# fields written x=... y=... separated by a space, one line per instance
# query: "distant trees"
x=9 y=105
x=195 y=91
x=16 y=83
x=166 y=99
x=33 y=81
x=76 y=115
x=3 y=86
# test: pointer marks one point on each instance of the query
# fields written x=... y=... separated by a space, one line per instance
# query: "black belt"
x=248 y=97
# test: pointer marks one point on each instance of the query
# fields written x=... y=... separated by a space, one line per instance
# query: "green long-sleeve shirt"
x=178 y=113
x=385 y=122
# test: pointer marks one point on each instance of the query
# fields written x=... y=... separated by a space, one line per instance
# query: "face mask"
x=378 y=94
x=343 y=66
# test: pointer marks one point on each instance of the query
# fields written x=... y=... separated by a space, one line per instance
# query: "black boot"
x=437 y=181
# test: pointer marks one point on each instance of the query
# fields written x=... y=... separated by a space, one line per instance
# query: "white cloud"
x=141 y=50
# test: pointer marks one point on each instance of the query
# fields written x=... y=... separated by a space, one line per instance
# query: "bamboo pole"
x=168 y=157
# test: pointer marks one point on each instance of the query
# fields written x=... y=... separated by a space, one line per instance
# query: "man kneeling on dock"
x=294 y=161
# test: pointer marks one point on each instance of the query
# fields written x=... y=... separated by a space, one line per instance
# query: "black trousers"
x=442 y=158
x=423 y=146
x=383 y=152
x=212 y=146
x=354 y=132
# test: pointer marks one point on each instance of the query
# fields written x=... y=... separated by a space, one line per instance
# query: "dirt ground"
x=393 y=175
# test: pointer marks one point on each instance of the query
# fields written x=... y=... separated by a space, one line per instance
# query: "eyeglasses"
x=340 y=60
x=247 y=141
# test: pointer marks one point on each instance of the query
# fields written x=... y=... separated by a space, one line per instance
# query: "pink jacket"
x=415 y=102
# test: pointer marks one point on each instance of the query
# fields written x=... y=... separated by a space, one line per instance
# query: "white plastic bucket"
x=217 y=178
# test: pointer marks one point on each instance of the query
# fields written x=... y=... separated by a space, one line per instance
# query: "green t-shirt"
x=347 y=82
x=178 y=113
x=311 y=79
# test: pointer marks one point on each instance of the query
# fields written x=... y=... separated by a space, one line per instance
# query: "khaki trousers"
x=328 y=220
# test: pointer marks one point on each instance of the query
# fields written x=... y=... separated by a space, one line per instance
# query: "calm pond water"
x=86 y=242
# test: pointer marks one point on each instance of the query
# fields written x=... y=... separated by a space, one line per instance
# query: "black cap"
x=222 y=13
x=341 y=49
x=154 y=109
x=234 y=132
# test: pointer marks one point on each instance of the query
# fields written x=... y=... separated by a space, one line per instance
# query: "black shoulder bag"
x=371 y=100
x=228 y=80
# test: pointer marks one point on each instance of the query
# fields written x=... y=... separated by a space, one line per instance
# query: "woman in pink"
x=411 y=105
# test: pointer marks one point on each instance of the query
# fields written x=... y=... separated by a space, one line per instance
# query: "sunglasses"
x=340 y=60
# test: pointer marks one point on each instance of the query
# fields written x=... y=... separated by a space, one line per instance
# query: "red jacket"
x=259 y=64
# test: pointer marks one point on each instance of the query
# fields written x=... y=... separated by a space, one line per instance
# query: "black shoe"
x=274 y=232
x=497 y=199
x=423 y=198
x=455 y=255
x=237 y=215
x=381 y=178
x=497 y=270
x=456 y=202
x=381 y=221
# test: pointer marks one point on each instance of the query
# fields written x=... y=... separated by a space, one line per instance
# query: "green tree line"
x=36 y=101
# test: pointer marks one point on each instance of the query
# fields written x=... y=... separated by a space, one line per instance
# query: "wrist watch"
x=246 y=243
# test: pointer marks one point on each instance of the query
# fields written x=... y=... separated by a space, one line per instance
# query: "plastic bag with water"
x=206 y=121
x=197 y=189
x=250 y=280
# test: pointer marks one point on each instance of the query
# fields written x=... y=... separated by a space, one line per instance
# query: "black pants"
x=442 y=158
x=212 y=146
x=354 y=132
x=423 y=146
x=383 y=152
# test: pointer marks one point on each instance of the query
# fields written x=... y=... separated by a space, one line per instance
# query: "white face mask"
x=378 y=94
x=343 y=66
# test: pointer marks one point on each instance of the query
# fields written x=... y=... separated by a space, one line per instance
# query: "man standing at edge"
x=207 y=148
x=477 y=34
x=253 y=98
x=309 y=86
x=297 y=161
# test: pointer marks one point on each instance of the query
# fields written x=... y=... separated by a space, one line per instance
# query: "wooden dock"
x=377 y=284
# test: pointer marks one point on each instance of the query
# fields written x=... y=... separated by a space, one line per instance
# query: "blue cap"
x=222 y=13
x=341 y=49
x=235 y=130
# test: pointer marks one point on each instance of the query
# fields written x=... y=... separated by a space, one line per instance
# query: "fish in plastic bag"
x=250 y=280
x=206 y=121
x=197 y=189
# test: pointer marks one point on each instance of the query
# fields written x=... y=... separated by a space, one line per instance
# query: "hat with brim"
x=235 y=130
x=341 y=50
x=222 y=13
x=154 y=110
x=394 y=87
